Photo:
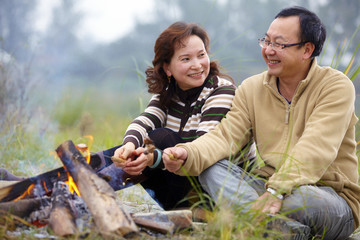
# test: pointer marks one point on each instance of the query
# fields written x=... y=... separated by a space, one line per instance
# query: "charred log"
x=42 y=183
x=106 y=209
x=61 y=220
x=24 y=207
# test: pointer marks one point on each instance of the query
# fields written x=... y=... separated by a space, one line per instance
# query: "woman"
x=190 y=98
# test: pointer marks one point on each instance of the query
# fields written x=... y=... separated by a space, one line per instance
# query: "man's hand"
x=267 y=203
x=179 y=154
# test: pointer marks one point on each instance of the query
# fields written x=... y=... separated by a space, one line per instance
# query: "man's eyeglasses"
x=276 y=46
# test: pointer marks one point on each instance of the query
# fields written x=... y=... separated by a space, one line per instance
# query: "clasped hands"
x=134 y=161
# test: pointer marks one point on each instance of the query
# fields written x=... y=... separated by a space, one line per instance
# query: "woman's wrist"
x=157 y=158
x=150 y=157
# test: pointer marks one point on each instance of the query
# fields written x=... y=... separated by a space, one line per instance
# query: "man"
x=302 y=119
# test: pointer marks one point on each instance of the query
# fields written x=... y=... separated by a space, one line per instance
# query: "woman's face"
x=190 y=64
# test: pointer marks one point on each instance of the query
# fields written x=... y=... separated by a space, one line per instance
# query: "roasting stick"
x=170 y=155
x=117 y=159
x=149 y=148
x=83 y=147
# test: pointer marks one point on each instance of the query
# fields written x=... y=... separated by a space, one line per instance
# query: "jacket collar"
x=271 y=80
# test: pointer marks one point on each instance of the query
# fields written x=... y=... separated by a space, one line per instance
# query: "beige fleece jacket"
x=310 y=141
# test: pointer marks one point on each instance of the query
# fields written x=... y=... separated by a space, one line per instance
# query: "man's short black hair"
x=311 y=27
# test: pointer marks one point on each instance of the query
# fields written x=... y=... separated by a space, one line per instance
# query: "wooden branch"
x=155 y=221
x=107 y=212
x=181 y=218
x=165 y=221
x=24 y=207
x=61 y=220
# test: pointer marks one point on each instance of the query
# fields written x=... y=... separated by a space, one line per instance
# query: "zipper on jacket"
x=287 y=114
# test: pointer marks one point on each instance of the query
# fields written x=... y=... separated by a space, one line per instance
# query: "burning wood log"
x=23 y=189
x=43 y=184
x=61 y=220
x=107 y=212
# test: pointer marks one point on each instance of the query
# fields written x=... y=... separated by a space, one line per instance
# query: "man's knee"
x=216 y=171
x=206 y=175
x=321 y=208
x=311 y=197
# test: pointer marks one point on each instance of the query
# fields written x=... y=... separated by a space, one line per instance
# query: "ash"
x=80 y=211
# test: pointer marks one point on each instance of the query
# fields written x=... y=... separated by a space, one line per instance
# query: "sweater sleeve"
x=216 y=105
x=153 y=117
x=225 y=140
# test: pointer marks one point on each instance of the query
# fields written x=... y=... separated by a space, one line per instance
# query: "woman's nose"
x=195 y=64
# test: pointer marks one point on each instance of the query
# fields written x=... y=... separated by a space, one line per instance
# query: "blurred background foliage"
x=55 y=85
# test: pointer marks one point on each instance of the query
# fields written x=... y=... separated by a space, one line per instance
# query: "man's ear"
x=308 y=50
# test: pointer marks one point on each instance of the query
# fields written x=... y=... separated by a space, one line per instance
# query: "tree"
x=15 y=27
x=59 y=47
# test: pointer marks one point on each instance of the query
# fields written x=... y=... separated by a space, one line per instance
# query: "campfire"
x=74 y=197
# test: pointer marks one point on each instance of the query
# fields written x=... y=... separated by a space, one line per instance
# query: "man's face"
x=287 y=63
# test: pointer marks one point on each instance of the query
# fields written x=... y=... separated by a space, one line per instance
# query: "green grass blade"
x=352 y=59
x=357 y=71
x=340 y=55
x=334 y=56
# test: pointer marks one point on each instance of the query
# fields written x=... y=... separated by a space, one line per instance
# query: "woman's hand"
x=138 y=165
x=179 y=154
x=125 y=154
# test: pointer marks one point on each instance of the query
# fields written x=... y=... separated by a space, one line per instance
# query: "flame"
x=44 y=185
x=72 y=186
x=53 y=153
x=91 y=140
x=26 y=193
x=85 y=149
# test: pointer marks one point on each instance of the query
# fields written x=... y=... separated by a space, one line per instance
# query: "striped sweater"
x=191 y=113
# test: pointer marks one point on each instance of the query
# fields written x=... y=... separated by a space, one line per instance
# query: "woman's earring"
x=169 y=78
